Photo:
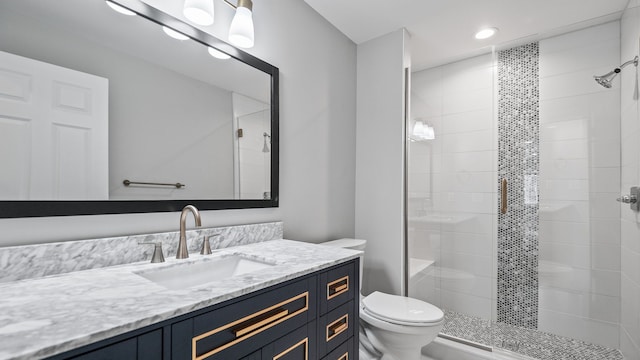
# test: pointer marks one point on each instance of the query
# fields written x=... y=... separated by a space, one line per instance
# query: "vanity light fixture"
x=174 y=34
x=199 y=11
x=241 y=29
x=218 y=54
x=486 y=33
x=421 y=131
x=120 y=9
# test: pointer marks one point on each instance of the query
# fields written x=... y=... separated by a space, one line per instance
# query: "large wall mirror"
x=103 y=113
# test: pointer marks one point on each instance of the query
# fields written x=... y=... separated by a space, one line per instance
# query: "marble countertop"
x=46 y=316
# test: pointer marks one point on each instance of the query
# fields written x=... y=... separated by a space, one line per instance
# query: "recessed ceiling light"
x=174 y=34
x=486 y=33
x=120 y=9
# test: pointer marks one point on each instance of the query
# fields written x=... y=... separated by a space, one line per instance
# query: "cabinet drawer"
x=300 y=344
x=236 y=330
x=344 y=351
x=336 y=327
x=337 y=286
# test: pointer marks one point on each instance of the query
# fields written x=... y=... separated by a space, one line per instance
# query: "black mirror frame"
x=29 y=208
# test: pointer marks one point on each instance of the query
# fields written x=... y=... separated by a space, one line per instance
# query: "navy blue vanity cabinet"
x=338 y=318
x=312 y=317
x=232 y=331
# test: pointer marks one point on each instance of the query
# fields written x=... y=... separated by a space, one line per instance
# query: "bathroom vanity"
x=282 y=300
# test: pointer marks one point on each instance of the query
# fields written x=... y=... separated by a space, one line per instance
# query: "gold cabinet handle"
x=261 y=322
x=251 y=325
x=344 y=357
x=337 y=327
x=503 y=196
x=304 y=342
x=337 y=287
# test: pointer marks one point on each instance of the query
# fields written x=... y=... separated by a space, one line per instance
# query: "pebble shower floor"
x=533 y=343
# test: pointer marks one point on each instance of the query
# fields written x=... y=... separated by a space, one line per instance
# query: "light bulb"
x=241 y=29
x=120 y=9
x=486 y=33
x=199 y=11
x=174 y=34
x=218 y=54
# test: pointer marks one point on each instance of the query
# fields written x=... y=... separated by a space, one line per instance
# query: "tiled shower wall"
x=451 y=186
x=579 y=234
x=630 y=162
x=453 y=193
x=518 y=167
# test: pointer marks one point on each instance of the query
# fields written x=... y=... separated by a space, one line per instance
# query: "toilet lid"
x=400 y=309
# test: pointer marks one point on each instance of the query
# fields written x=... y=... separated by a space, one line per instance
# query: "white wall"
x=380 y=160
x=317 y=127
x=579 y=240
x=630 y=164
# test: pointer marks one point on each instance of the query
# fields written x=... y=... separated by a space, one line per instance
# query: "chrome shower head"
x=605 y=80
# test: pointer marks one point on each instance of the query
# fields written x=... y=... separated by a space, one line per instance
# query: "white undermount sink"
x=200 y=272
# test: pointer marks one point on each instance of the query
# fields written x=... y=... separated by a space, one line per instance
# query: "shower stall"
x=513 y=225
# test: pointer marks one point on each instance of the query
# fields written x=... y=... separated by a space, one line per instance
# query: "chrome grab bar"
x=176 y=185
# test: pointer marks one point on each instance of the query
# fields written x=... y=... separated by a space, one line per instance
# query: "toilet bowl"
x=396 y=326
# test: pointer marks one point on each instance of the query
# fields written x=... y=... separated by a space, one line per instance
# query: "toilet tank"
x=353 y=244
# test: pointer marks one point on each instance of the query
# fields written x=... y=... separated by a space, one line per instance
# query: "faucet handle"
x=157 y=257
x=206 y=245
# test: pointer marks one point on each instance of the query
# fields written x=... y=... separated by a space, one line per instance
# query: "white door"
x=53 y=132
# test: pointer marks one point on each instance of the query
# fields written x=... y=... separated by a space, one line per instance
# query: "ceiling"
x=443 y=30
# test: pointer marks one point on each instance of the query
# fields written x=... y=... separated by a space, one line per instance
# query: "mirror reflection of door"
x=53 y=132
x=253 y=148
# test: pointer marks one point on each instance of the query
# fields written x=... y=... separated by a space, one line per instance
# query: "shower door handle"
x=503 y=196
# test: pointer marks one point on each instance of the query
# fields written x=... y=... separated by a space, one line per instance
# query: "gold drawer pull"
x=304 y=342
x=337 y=327
x=344 y=357
x=251 y=325
x=260 y=322
x=337 y=287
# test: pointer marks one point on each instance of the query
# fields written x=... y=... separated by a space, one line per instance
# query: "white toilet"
x=396 y=326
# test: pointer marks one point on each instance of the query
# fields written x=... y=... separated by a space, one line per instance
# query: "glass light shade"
x=174 y=34
x=422 y=132
x=120 y=9
x=218 y=54
x=241 y=30
x=199 y=11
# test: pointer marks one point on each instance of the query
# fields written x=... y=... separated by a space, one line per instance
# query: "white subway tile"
x=471 y=305
x=469 y=141
x=581 y=304
x=604 y=179
x=467 y=100
x=593 y=331
x=575 y=256
x=605 y=231
x=576 y=233
x=574 y=211
x=605 y=257
x=604 y=205
x=468 y=121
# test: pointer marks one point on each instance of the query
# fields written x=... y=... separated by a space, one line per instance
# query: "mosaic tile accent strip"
x=518 y=133
x=30 y=261
x=528 y=342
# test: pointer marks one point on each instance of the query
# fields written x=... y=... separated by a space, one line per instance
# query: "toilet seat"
x=401 y=310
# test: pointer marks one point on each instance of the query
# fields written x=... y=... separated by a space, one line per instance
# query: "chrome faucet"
x=183 y=252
